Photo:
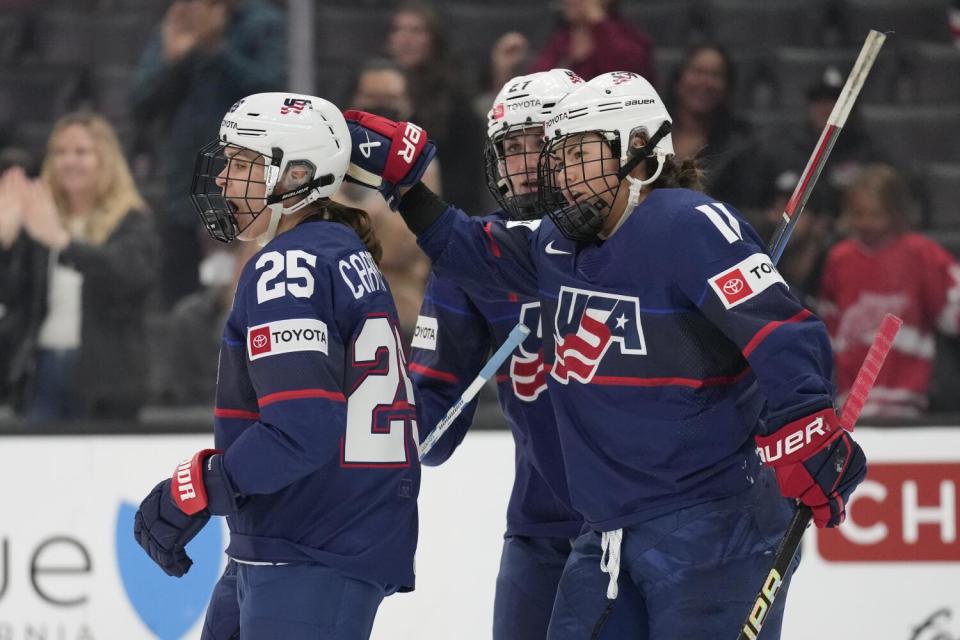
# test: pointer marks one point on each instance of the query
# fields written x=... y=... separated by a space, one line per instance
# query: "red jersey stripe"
x=416 y=367
x=300 y=394
x=761 y=335
x=693 y=383
x=240 y=414
x=494 y=247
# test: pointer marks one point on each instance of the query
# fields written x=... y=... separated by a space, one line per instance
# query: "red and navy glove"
x=177 y=509
x=387 y=155
x=817 y=462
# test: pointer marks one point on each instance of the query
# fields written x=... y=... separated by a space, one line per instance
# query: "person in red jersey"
x=884 y=267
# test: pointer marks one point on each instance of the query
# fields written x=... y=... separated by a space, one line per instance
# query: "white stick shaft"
x=858 y=75
x=517 y=335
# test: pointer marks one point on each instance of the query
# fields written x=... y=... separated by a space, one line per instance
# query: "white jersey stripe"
x=730 y=232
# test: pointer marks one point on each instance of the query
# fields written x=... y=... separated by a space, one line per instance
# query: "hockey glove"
x=817 y=462
x=177 y=509
x=387 y=155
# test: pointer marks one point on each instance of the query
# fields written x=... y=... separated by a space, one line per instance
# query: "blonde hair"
x=891 y=191
x=116 y=193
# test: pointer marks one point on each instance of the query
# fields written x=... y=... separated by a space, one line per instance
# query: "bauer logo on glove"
x=387 y=155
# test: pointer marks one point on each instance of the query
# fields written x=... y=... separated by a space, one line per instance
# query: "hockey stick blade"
x=787 y=549
x=869 y=370
x=517 y=335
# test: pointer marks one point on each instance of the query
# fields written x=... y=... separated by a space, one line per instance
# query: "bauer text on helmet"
x=594 y=138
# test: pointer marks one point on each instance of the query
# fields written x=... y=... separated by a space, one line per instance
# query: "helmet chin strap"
x=277 y=211
x=637 y=185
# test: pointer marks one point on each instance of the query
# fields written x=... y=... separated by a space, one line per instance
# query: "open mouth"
x=528 y=186
x=575 y=196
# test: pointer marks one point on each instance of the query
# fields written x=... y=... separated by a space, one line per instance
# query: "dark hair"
x=685 y=174
x=373 y=65
x=356 y=219
x=676 y=174
x=723 y=117
x=435 y=25
x=435 y=84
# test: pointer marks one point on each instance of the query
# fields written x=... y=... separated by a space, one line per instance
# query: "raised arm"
x=392 y=157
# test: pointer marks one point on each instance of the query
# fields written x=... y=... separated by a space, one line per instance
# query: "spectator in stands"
x=186 y=359
x=705 y=127
x=17 y=258
x=417 y=42
x=206 y=55
x=801 y=264
x=953 y=21
x=882 y=268
x=853 y=150
x=508 y=58
x=93 y=261
x=593 y=38
x=381 y=88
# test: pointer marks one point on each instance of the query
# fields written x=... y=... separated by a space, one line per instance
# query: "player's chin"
x=247 y=223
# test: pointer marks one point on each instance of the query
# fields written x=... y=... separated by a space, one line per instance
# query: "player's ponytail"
x=676 y=174
x=359 y=221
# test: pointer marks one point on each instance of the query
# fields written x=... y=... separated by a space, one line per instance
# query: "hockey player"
x=457 y=328
x=674 y=351
x=315 y=463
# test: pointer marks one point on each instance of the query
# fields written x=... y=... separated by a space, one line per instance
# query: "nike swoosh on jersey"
x=555 y=252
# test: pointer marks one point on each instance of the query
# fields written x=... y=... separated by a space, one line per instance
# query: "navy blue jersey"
x=457 y=329
x=668 y=346
x=315 y=410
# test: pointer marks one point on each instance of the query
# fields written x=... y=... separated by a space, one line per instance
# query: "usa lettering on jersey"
x=287 y=336
x=745 y=280
x=586 y=324
x=528 y=374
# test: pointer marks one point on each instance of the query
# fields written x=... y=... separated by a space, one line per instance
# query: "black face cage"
x=218 y=215
x=500 y=178
x=578 y=219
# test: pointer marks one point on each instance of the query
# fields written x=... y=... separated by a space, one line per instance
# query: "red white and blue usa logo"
x=528 y=373
x=294 y=105
x=586 y=324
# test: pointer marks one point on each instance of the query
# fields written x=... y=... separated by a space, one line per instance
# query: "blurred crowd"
x=112 y=299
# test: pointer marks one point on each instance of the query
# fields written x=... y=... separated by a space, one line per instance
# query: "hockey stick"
x=838 y=117
x=517 y=335
x=866 y=377
x=878 y=350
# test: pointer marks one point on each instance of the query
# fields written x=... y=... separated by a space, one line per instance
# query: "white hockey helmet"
x=287 y=130
x=618 y=106
x=523 y=104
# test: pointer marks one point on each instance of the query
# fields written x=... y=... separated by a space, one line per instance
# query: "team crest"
x=527 y=371
x=294 y=105
x=586 y=324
